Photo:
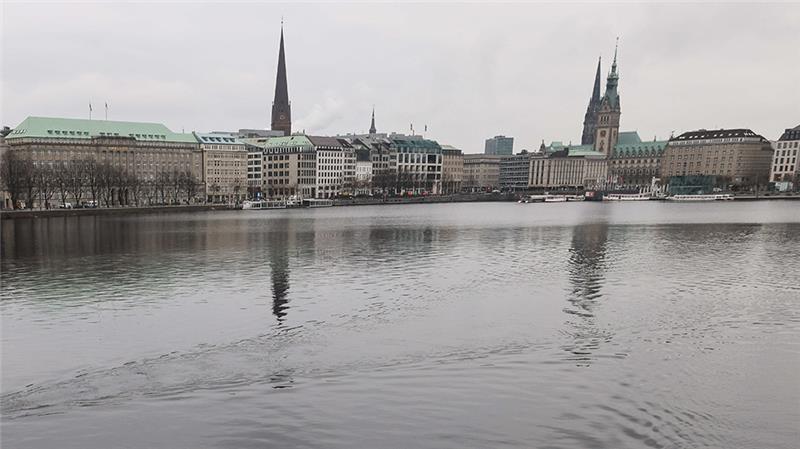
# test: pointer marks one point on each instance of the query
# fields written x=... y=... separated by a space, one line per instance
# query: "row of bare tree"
x=79 y=181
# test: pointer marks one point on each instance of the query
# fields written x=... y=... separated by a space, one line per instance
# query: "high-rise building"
x=607 y=125
x=281 y=108
x=499 y=145
x=590 y=119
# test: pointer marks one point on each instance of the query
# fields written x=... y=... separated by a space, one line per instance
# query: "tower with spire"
x=590 y=119
x=607 y=126
x=281 y=108
x=372 y=129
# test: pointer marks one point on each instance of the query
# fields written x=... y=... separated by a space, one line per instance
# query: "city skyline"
x=333 y=99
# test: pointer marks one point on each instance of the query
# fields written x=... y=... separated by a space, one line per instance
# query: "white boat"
x=576 y=198
x=317 y=202
x=555 y=199
x=626 y=197
x=251 y=204
x=713 y=197
x=264 y=204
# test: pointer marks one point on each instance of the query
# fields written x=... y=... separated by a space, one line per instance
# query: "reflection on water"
x=473 y=325
x=279 y=265
x=586 y=265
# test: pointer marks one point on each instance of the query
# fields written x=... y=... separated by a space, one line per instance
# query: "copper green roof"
x=217 y=138
x=280 y=142
x=636 y=148
x=69 y=128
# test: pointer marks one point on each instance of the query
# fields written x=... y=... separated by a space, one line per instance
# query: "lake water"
x=570 y=325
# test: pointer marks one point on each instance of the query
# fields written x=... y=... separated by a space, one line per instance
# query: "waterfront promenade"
x=439 y=199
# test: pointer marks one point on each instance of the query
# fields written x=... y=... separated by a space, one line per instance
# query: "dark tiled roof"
x=324 y=141
x=791 y=134
x=716 y=134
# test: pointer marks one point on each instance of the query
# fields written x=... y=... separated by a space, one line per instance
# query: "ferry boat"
x=712 y=197
x=555 y=199
x=626 y=197
x=576 y=198
x=264 y=204
x=317 y=202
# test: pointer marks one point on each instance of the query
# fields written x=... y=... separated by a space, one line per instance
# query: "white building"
x=785 y=166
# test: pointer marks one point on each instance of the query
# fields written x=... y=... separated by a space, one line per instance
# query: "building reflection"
x=586 y=269
x=279 y=241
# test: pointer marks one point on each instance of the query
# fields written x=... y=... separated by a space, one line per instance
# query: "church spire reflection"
x=279 y=267
x=586 y=275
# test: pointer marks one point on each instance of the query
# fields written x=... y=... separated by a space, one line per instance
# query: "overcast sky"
x=468 y=71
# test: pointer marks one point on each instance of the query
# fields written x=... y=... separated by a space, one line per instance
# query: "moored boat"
x=712 y=197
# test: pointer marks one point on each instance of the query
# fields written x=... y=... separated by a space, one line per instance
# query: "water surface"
x=444 y=326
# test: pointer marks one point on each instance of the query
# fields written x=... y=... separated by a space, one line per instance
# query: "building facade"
x=737 y=157
x=363 y=172
x=570 y=167
x=481 y=172
x=225 y=164
x=515 y=172
x=419 y=164
x=633 y=163
x=280 y=167
x=499 y=145
x=452 y=169
x=335 y=166
x=785 y=159
x=110 y=162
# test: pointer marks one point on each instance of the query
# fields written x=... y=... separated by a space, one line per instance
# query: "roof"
x=558 y=149
x=70 y=128
x=421 y=144
x=628 y=137
x=716 y=134
x=221 y=138
x=296 y=141
x=791 y=134
x=325 y=141
x=631 y=145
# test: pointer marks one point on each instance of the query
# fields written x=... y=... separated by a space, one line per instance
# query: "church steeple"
x=607 y=128
x=596 y=91
x=590 y=119
x=372 y=129
x=281 y=108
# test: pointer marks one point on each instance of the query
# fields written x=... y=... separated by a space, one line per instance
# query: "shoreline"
x=475 y=198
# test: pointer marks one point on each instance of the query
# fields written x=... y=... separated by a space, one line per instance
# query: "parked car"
x=65 y=206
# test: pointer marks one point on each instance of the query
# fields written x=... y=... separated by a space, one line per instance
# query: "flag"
x=90 y=107
x=426 y=128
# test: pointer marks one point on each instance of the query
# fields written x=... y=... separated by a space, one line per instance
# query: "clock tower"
x=281 y=108
x=607 y=125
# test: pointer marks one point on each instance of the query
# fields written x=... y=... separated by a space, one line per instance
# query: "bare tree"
x=62 y=174
x=189 y=184
x=109 y=179
x=161 y=186
x=44 y=179
x=175 y=185
x=136 y=186
x=17 y=176
x=76 y=179
x=92 y=177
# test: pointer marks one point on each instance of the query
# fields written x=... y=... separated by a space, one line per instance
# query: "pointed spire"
x=372 y=129
x=596 y=91
x=614 y=64
x=281 y=109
